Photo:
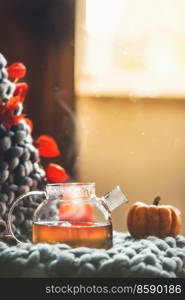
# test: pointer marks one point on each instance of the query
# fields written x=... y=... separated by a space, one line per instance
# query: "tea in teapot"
x=71 y=213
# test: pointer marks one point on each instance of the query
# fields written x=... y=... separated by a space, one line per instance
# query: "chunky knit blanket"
x=150 y=257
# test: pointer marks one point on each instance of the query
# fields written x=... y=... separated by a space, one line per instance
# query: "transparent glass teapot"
x=71 y=213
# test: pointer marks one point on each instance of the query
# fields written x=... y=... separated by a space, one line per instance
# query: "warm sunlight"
x=130 y=47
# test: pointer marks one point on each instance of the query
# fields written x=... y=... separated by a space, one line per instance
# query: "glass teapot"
x=71 y=213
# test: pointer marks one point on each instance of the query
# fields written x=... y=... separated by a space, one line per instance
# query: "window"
x=130 y=47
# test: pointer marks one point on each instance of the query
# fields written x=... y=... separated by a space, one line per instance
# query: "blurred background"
x=107 y=80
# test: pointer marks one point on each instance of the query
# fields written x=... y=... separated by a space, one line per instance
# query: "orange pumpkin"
x=158 y=220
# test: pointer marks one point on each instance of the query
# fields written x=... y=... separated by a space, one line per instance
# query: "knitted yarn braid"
x=20 y=167
x=6 y=86
x=150 y=257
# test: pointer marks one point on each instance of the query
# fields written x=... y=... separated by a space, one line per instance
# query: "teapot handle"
x=9 y=221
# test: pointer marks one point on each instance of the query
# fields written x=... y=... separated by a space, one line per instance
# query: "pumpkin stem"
x=157 y=200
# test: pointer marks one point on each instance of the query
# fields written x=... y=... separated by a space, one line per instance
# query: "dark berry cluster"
x=20 y=172
x=6 y=86
x=20 y=169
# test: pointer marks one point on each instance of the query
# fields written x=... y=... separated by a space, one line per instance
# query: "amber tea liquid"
x=82 y=234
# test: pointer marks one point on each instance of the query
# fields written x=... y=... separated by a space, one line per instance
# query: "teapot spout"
x=114 y=198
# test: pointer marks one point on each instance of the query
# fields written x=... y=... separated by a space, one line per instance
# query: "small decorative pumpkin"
x=158 y=220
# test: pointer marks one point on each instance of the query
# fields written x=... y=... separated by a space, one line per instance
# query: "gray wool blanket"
x=150 y=257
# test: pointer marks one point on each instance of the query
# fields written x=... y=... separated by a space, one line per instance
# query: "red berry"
x=78 y=212
x=16 y=70
x=20 y=90
x=47 y=146
x=56 y=173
